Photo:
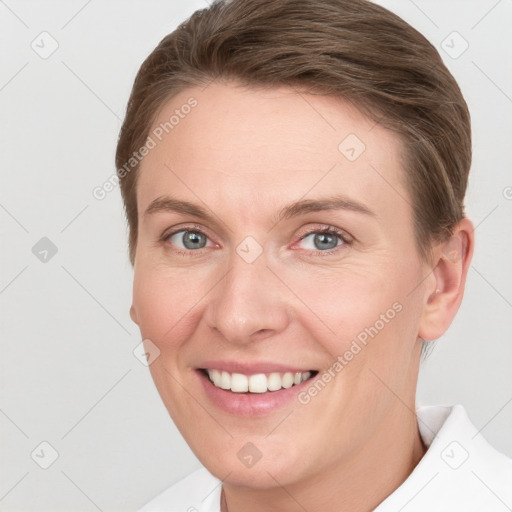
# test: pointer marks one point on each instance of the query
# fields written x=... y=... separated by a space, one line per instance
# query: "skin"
x=244 y=154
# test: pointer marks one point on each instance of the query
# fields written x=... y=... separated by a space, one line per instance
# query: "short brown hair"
x=350 y=49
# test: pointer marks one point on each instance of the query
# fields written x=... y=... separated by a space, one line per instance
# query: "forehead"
x=231 y=145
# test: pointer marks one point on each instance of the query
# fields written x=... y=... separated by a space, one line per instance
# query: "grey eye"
x=325 y=241
x=321 y=241
x=189 y=240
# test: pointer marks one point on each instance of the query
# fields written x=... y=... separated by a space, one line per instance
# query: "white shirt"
x=460 y=471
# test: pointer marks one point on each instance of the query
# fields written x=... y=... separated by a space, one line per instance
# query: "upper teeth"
x=258 y=383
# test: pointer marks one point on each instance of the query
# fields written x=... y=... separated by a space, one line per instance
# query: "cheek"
x=365 y=314
x=166 y=302
x=167 y=306
x=344 y=301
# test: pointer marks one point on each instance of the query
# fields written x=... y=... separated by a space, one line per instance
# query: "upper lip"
x=251 y=368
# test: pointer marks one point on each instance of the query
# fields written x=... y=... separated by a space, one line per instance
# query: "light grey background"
x=68 y=374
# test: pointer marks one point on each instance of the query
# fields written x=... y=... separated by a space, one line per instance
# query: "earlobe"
x=451 y=265
x=133 y=315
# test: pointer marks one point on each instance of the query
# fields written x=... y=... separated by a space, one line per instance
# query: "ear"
x=445 y=288
x=133 y=314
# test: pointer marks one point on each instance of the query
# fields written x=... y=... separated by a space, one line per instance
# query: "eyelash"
x=330 y=230
x=196 y=229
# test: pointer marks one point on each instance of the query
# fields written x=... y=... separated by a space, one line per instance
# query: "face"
x=276 y=247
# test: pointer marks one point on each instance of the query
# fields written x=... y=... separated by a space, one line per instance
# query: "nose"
x=248 y=304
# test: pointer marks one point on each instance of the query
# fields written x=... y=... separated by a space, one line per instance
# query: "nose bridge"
x=247 y=303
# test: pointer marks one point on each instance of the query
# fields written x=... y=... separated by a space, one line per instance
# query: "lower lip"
x=250 y=404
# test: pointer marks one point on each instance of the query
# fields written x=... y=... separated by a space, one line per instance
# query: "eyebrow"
x=296 y=209
x=168 y=204
x=317 y=205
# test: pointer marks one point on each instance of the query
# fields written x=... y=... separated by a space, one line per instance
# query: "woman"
x=294 y=175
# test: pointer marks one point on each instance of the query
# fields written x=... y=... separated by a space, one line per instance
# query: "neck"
x=357 y=484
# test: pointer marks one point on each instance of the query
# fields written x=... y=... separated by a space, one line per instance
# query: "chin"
x=257 y=464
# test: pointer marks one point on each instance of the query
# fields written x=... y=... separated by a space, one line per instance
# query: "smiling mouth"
x=257 y=383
